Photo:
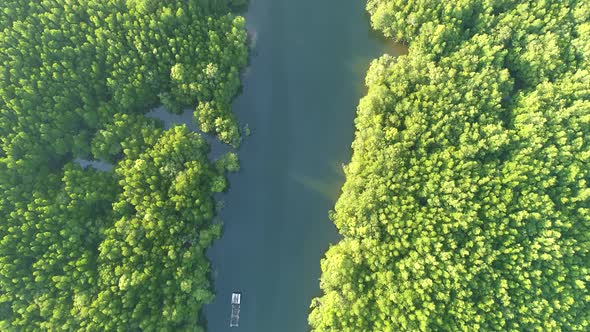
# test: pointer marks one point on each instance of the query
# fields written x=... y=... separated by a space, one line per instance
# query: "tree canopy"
x=466 y=202
x=84 y=249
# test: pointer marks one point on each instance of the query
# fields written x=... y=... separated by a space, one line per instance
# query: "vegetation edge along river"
x=122 y=249
x=465 y=206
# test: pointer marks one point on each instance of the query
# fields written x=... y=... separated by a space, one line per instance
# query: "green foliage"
x=82 y=249
x=465 y=205
x=154 y=253
x=50 y=234
x=124 y=133
x=73 y=67
x=228 y=162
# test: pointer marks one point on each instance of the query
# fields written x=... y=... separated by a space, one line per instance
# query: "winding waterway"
x=299 y=98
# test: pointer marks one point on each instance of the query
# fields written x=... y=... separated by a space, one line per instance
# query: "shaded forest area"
x=466 y=205
x=83 y=249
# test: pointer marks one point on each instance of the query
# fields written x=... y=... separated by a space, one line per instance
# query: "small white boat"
x=236 y=300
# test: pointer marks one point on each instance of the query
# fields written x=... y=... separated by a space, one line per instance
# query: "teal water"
x=299 y=98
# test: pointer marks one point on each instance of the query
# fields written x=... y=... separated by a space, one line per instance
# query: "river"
x=299 y=98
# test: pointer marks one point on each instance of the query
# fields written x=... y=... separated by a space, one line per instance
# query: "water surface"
x=299 y=98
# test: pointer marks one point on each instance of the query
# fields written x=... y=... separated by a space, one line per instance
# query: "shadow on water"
x=388 y=46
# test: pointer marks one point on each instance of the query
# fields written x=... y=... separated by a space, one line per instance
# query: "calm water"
x=299 y=99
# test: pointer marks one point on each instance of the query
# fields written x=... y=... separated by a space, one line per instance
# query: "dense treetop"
x=466 y=203
x=72 y=67
x=123 y=250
